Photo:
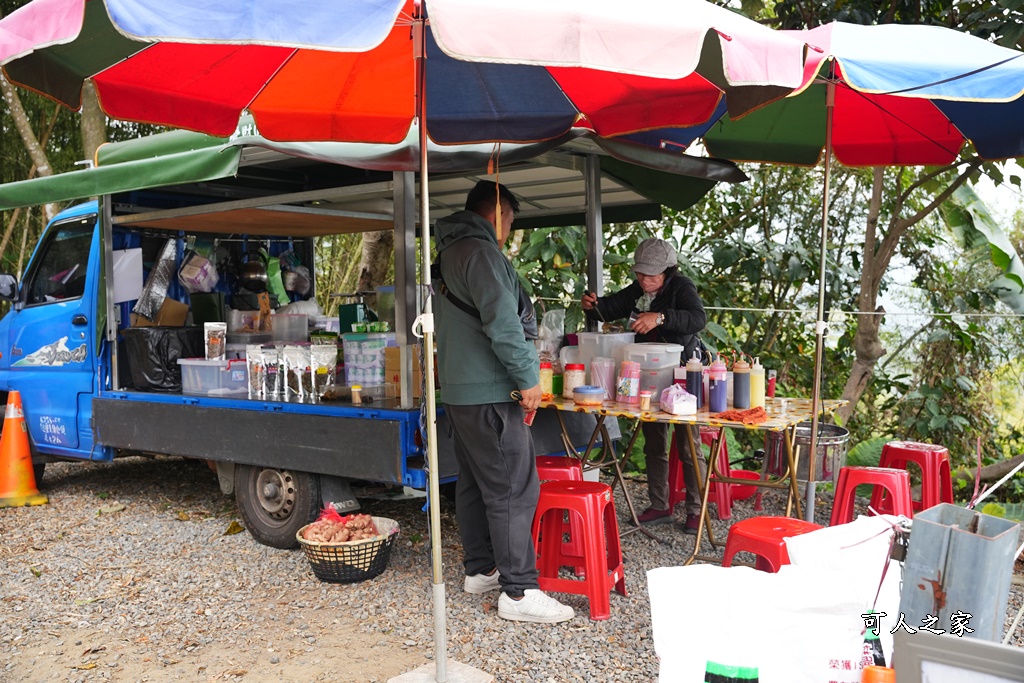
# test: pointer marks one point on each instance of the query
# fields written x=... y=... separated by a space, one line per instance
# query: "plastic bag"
x=676 y=400
x=298 y=376
x=812 y=630
x=324 y=366
x=256 y=370
x=552 y=329
x=197 y=273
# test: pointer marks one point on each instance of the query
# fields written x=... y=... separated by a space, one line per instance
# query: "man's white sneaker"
x=482 y=583
x=535 y=606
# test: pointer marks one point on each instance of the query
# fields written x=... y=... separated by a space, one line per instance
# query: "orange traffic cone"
x=17 y=482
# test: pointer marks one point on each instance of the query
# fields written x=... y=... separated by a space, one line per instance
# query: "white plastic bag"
x=801 y=625
x=676 y=400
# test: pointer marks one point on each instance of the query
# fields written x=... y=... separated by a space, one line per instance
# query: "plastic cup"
x=770 y=388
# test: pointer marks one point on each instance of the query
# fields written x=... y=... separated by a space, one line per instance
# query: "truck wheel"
x=275 y=504
x=37 y=471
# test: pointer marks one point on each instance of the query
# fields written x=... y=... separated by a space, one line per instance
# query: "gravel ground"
x=131 y=574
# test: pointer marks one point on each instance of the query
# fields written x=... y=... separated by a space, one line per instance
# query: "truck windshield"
x=59 y=273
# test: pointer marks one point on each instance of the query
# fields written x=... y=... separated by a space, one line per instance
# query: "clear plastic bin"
x=598 y=345
x=290 y=327
x=364 y=356
x=213 y=377
x=657 y=365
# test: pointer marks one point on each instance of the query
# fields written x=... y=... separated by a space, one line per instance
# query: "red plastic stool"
x=897 y=482
x=721 y=494
x=559 y=468
x=765 y=537
x=936 y=484
x=564 y=468
x=591 y=504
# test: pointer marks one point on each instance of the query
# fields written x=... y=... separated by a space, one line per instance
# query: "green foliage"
x=994 y=509
x=1001 y=21
x=867 y=453
x=1014 y=511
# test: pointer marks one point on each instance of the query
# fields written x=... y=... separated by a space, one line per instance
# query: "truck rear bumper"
x=375 y=445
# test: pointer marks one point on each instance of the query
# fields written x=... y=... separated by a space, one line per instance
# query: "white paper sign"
x=127 y=275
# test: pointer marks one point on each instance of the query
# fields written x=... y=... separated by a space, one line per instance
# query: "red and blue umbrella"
x=346 y=70
x=890 y=95
x=903 y=95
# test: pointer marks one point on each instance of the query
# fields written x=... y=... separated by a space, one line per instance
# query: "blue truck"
x=63 y=341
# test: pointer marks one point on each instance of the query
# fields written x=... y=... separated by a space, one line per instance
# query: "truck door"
x=52 y=340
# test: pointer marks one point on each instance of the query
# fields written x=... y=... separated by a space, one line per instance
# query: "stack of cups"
x=602 y=374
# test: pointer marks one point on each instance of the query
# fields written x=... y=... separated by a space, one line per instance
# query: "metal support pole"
x=110 y=333
x=820 y=327
x=405 y=278
x=427 y=325
x=595 y=228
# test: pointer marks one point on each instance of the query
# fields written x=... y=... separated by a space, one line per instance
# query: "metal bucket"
x=832 y=443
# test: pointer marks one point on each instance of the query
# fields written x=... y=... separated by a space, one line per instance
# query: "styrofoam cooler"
x=657 y=364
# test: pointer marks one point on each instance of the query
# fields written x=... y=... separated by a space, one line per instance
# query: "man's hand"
x=531 y=398
x=589 y=301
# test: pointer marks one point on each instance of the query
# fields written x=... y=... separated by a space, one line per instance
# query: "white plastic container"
x=598 y=345
x=657 y=364
x=213 y=377
x=364 y=356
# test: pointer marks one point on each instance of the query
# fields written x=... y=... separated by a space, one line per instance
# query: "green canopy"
x=191 y=166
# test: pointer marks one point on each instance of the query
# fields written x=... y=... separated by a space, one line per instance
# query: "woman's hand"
x=645 y=322
x=589 y=301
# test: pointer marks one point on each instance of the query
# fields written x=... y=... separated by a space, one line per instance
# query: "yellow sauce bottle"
x=757 y=384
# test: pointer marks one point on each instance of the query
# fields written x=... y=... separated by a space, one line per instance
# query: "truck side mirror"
x=8 y=287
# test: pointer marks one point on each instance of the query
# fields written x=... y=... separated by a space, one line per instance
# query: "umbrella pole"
x=427 y=322
x=820 y=327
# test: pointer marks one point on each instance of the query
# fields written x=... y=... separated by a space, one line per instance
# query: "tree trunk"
x=93 y=123
x=378 y=248
x=878 y=253
x=993 y=472
x=867 y=344
x=24 y=127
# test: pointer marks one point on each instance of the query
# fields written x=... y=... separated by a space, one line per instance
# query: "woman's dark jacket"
x=677 y=299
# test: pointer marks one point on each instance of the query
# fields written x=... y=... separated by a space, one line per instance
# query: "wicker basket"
x=354 y=560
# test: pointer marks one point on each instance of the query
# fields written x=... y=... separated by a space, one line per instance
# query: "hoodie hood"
x=452 y=228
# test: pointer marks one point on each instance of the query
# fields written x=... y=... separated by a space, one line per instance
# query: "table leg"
x=617 y=462
x=793 y=460
x=705 y=495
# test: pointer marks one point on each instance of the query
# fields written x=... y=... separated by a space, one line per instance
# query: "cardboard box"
x=392 y=369
x=171 y=314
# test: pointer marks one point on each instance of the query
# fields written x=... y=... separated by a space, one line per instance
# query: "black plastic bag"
x=153 y=354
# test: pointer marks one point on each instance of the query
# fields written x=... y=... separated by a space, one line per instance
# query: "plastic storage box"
x=657 y=365
x=597 y=345
x=290 y=327
x=213 y=377
x=364 y=356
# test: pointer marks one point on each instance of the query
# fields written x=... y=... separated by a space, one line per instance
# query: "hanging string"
x=813 y=312
x=494 y=169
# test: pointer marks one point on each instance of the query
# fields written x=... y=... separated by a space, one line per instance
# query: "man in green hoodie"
x=483 y=355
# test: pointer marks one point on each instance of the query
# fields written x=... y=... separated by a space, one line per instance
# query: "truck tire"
x=275 y=504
